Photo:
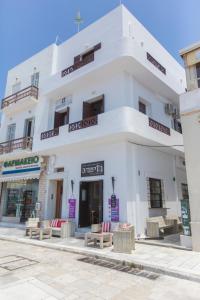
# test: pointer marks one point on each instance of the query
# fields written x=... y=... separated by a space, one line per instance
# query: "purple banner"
x=114 y=209
x=72 y=208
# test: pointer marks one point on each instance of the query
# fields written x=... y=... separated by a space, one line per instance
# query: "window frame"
x=152 y=201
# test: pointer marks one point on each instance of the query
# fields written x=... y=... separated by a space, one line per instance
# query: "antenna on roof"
x=57 y=40
x=78 y=20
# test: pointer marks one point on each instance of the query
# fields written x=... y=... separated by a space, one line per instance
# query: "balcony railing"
x=29 y=91
x=22 y=143
x=88 y=122
x=160 y=127
x=50 y=133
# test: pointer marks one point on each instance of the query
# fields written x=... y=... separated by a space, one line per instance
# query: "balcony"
x=24 y=143
x=88 y=122
x=20 y=100
x=123 y=123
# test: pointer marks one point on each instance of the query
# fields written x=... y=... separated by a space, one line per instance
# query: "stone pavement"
x=164 y=260
x=59 y=275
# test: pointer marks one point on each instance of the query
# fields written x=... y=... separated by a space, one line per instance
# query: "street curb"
x=89 y=252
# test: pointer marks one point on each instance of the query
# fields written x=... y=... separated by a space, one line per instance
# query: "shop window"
x=184 y=188
x=93 y=107
x=19 y=199
x=155 y=187
x=61 y=118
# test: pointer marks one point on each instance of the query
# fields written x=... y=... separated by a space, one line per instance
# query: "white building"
x=190 y=115
x=104 y=114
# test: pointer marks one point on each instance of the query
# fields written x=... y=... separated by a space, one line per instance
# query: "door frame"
x=32 y=126
x=90 y=181
x=58 y=208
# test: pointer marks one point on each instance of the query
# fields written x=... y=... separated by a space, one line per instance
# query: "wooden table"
x=41 y=232
x=103 y=239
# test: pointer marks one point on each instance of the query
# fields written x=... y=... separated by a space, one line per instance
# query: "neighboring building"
x=190 y=115
x=94 y=102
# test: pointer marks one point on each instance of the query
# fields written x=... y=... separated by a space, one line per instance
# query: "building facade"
x=97 y=118
x=190 y=115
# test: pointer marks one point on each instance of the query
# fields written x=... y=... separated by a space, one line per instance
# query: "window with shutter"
x=93 y=108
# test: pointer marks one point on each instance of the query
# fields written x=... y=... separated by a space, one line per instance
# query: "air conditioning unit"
x=169 y=109
x=176 y=113
x=172 y=110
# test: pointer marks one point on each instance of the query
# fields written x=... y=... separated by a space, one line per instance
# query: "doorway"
x=29 y=127
x=90 y=203
x=59 y=193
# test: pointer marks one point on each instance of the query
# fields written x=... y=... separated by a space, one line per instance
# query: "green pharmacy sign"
x=21 y=165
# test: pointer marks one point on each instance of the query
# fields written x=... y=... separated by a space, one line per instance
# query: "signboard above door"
x=92 y=169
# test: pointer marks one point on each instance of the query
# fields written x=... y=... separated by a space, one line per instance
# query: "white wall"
x=130 y=165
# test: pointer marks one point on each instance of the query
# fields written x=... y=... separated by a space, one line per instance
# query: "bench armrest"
x=152 y=229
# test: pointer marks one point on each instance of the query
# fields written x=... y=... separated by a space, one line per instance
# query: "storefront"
x=19 y=188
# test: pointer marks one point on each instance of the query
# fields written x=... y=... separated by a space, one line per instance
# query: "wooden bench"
x=156 y=226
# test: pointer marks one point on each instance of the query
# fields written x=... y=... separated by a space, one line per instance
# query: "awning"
x=16 y=177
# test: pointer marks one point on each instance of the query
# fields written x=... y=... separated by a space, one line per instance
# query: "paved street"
x=34 y=273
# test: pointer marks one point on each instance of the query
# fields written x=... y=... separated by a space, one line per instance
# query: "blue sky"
x=27 y=26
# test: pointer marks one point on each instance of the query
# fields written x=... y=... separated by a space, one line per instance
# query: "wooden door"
x=91 y=203
x=59 y=193
x=84 y=214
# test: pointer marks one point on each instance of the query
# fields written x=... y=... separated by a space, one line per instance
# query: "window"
x=142 y=108
x=184 y=188
x=177 y=125
x=61 y=118
x=93 y=107
x=35 y=79
x=16 y=87
x=198 y=74
x=155 y=193
x=11 y=132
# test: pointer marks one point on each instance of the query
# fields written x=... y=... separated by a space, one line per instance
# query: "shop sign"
x=113 y=204
x=185 y=213
x=21 y=165
x=92 y=169
x=72 y=208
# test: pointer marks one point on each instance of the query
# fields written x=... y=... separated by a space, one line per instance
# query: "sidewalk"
x=173 y=262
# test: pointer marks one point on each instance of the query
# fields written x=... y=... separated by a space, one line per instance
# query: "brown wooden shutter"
x=77 y=59
x=86 y=110
x=57 y=119
x=68 y=110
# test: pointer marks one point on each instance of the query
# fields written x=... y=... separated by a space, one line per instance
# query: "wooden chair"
x=103 y=237
x=31 y=223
